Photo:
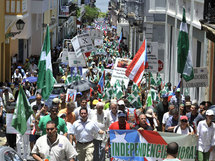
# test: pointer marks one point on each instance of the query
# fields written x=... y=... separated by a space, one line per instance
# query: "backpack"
x=176 y=129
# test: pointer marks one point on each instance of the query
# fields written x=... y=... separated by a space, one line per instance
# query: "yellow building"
x=2 y=42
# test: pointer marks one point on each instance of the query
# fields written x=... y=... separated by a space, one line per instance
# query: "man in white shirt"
x=53 y=146
x=113 y=111
x=101 y=119
x=83 y=105
x=84 y=131
x=17 y=75
x=8 y=98
x=166 y=116
x=206 y=136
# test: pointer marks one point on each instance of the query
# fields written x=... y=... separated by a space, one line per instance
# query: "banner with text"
x=149 y=145
x=82 y=44
x=120 y=67
x=200 y=78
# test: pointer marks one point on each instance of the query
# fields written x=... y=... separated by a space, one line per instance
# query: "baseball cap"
x=188 y=104
x=149 y=113
x=56 y=100
x=121 y=113
x=178 y=90
x=184 y=118
x=121 y=102
x=209 y=112
x=95 y=102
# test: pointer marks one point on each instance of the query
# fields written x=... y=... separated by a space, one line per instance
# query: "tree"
x=91 y=13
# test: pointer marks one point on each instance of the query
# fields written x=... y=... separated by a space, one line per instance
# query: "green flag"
x=149 y=99
x=45 y=81
x=185 y=65
x=22 y=112
x=118 y=92
x=134 y=97
x=108 y=91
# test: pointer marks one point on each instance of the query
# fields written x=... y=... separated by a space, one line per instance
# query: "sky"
x=102 y=5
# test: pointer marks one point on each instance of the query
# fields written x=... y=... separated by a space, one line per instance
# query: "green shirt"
x=61 y=125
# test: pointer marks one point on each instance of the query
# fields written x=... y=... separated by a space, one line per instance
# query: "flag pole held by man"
x=185 y=65
x=22 y=112
x=45 y=79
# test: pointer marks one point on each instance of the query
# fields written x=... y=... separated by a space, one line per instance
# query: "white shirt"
x=185 y=131
x=60 y=150
x=39 y=105
x=113 y=118
x=206 y=136
x=102 y=121
x=19 y=76
x=84 y=131
x=165 y=117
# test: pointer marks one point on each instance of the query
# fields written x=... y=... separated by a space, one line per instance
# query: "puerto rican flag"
x=138 y=65
x=134 y=136
x=101 y=83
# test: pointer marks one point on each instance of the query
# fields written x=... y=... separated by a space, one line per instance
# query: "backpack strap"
x=176 y=129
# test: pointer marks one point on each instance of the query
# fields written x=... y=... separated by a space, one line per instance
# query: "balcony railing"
x=15 y=7
x=209 y=11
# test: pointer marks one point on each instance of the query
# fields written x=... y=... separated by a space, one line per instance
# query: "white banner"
x=75 y=61
x=82 y=44
x=200 y=78
x=152 y=58
x=119 y=71
x=98 y=42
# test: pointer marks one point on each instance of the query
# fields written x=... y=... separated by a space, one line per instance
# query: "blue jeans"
x=99 y=151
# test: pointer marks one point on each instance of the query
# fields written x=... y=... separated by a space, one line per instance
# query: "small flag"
x=101 y=83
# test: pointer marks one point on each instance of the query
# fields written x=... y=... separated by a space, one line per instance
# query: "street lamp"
x=19 y=26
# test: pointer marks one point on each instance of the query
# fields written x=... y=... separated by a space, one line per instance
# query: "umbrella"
x=82 y=85
x=30 y=79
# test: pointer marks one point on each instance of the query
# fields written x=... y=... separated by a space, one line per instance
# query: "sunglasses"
x=183 y=120
x=47 y=129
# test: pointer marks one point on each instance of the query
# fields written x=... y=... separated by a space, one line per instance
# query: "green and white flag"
x=108 y=91
x=134 y=97
x=22 y=112
x=45 y=81
x=185 y=65
x=118 y=92
x=149 y=101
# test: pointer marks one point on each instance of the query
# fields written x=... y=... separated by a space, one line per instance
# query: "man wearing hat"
x=206 y=139
x=184 y=127
x=56 y=102
x=118 y=125
x=187 y=107
x=177 y=99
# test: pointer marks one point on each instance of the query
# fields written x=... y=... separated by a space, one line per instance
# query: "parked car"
x=9 y=154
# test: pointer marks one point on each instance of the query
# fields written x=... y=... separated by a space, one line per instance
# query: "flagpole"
x=180 y=98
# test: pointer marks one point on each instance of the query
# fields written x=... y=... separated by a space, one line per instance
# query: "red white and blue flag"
x=138 y=65
x=101 y=83
x=143 y=145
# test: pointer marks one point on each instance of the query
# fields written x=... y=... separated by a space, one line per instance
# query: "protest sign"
x=10 y=129
x=98 y=42
x=149 y=145
x=119 y=71
x=75 y=61
x=152 y=58
x=71 y=95
x=200 y=78
x=82 y=44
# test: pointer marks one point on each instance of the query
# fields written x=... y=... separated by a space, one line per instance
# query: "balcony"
x=209 y=11
x=15 y=7
x=40 y=6
x=67 y=10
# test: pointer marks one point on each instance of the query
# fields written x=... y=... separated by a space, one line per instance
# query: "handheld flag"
x=22 y=112
x=185 y=65
x=46 y=80
x=137 y=67
x=101 y=83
